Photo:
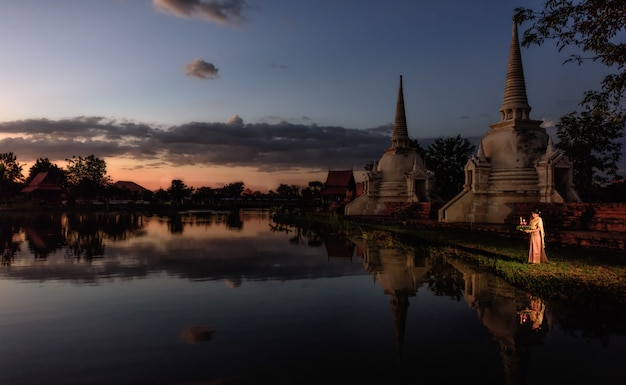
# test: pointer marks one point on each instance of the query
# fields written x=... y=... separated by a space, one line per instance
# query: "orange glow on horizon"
x=215 y=177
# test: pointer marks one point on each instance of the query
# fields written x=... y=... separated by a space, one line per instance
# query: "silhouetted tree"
x=446 y=158
x=418 y=147
x=11 y=177
x=589 y=139
x=203 y=195
x=232 y=190
x=178 y=191
x=288 y=191
x=161 y=196
x=312 y=192
x=87 y=177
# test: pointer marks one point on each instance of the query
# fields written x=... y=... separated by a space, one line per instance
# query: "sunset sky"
x=265 y=92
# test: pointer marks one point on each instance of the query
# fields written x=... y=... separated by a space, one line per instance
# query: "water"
x=228 y=298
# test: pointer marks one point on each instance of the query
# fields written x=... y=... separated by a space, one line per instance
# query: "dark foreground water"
x=219 y=298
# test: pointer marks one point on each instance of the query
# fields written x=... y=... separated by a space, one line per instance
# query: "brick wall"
x=402 y=210
x=608 y=217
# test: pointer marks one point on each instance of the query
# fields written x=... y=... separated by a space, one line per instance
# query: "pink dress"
x=537 y=252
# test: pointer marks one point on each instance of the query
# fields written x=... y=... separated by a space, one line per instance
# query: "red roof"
x=339 y=182
x=130 y=186
x=339 y=178
x=40 y=183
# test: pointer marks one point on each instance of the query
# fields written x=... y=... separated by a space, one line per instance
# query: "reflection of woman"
x=533 y=313
x=536 y=252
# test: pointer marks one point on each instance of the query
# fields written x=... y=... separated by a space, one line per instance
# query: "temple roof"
x=400 y=135
x=515 y=104
x=339 y=178
x=40 y=183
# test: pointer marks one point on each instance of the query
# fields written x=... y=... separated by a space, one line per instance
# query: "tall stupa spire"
x=515 y=105
x=400 y=135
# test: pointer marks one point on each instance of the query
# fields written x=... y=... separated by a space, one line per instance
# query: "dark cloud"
x=200 y=69
x=276 y=65
x=265 y=147
x=223 y=12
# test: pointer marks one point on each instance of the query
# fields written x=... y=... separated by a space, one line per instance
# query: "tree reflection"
x=444 y=280
x=234 y=220
x=175 y=223
x=9 y=240
x=85 y=236
x=86 y=232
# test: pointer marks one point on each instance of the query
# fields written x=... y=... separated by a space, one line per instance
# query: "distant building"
x=515 y=161
x=130 y=190
x=43 y=190
x=340 y=186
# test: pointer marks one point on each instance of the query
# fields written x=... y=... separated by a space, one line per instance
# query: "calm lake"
x=231 y=298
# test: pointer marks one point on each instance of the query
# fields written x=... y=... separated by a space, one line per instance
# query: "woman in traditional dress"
x=536 y=252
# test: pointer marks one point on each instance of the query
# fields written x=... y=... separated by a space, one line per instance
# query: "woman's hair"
x=536 y=211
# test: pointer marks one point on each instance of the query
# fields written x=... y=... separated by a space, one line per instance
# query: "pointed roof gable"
x=515 y=104
x=339 y=178
x=339 y=182
x=40 y=183
x=400 y=135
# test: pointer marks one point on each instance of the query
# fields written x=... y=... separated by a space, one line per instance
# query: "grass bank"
x=595 y=279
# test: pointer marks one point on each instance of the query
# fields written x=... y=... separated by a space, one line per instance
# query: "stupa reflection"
x=514 y=318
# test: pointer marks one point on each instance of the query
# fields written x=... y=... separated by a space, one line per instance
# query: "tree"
x=418 y=148
x=288 y=191
x=161 y=196
x=589 y=139
x=203 y=196
x=178 y=191
x=87 y=176
x=593 y=27
x=55 y=174
x=232 y=190
x=446 y=158
x=313 y=191
x=11 y=177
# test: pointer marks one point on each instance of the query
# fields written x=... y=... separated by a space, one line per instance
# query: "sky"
x=265 y=92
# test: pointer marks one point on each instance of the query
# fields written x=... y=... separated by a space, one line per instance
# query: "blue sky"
x=212 y=92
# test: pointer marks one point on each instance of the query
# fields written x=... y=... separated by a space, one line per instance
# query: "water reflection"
x=84 y=235
x=274 y=299
x=515 y=319
x=510 y=315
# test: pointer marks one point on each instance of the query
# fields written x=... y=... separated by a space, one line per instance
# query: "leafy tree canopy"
x=11 y=177
x=446 y=158
x=589 y=139
x=178 y=191
x=594 y=30
x=232 y=190
x=87 y=176
x=10 y=169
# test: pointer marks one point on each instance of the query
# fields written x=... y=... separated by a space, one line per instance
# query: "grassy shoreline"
x=595 y=279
